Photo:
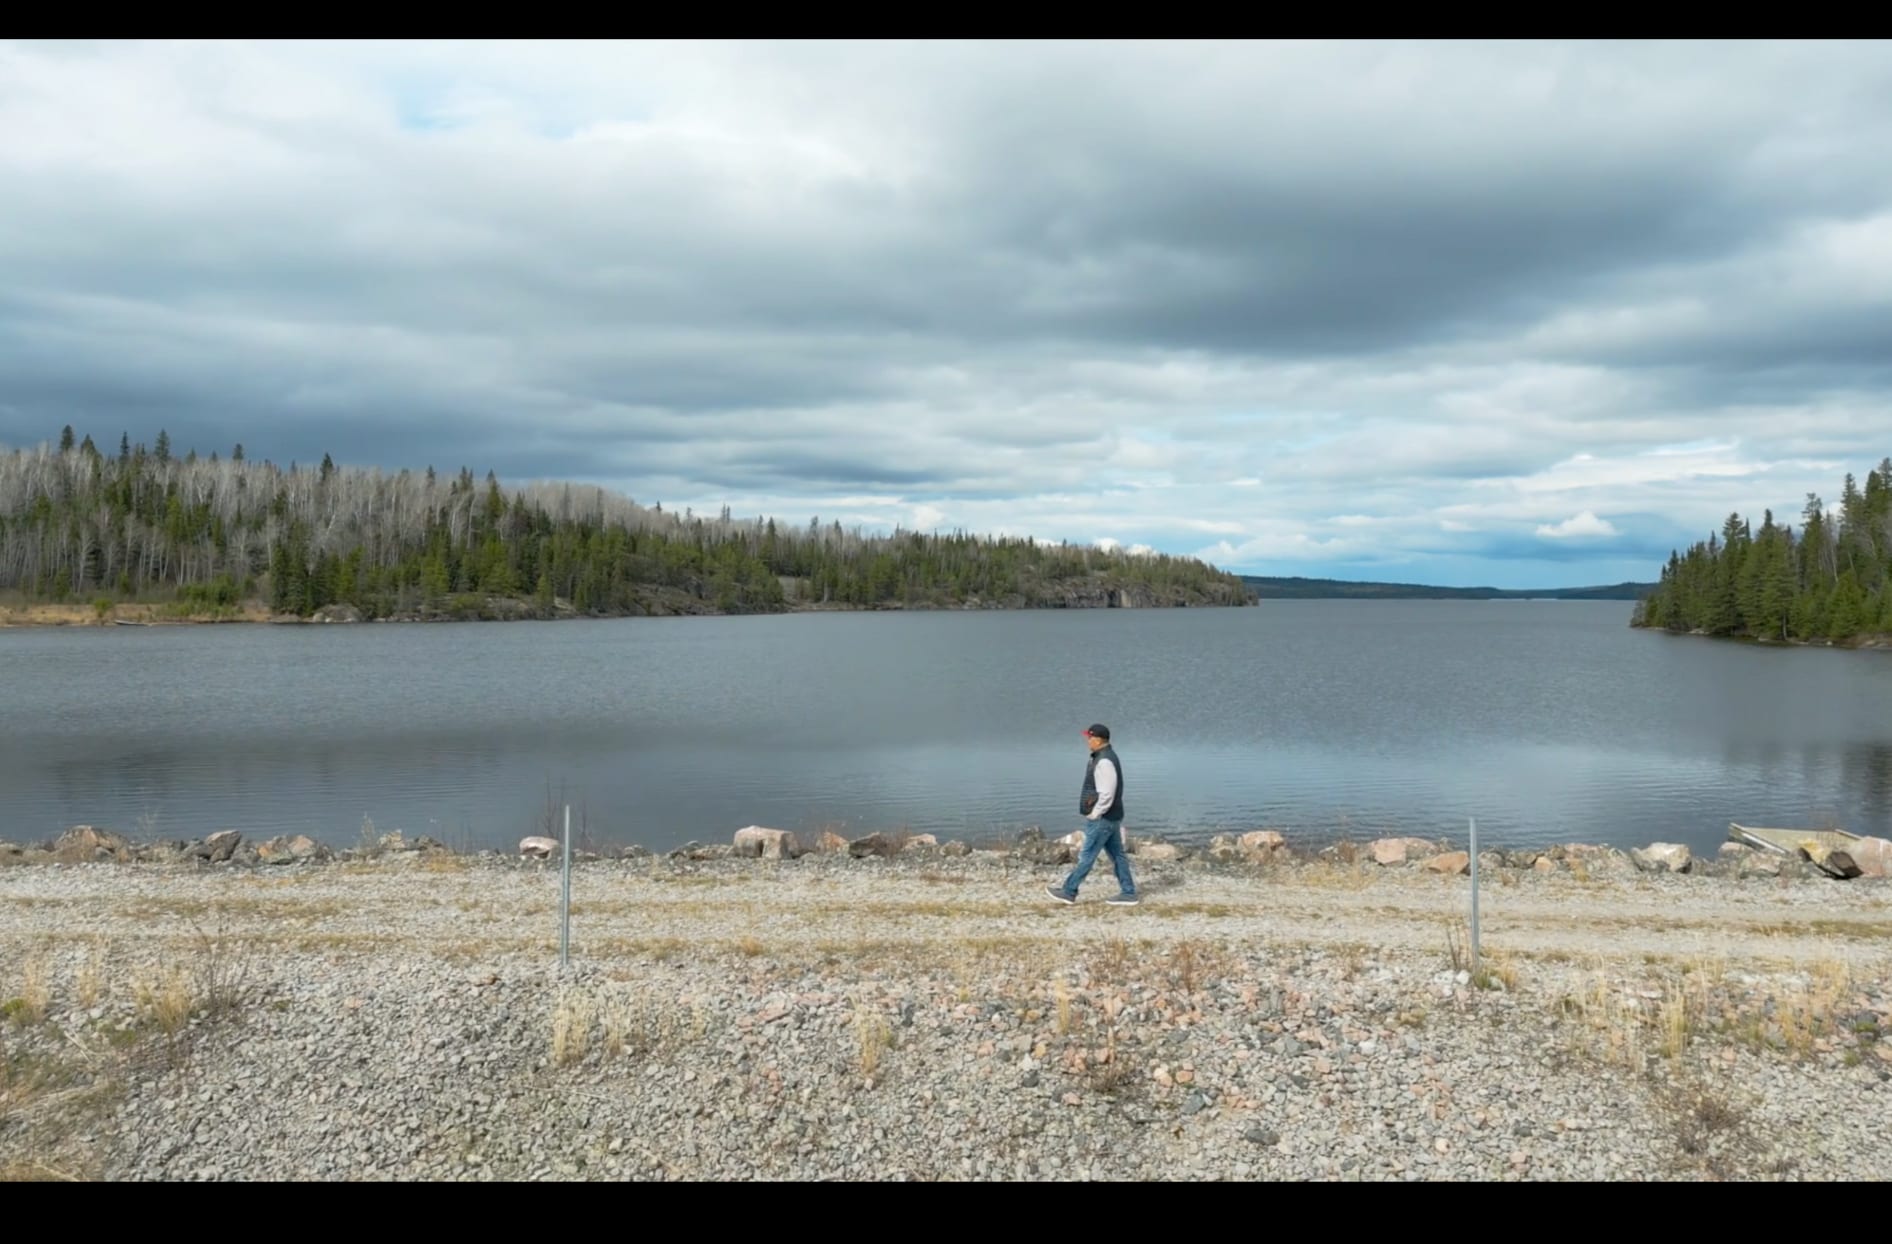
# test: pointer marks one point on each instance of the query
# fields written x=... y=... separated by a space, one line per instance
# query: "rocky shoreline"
x=895 y=1008
x=85 y=844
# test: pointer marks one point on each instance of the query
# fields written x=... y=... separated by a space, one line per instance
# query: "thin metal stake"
x=1474 y=898
x=565 y=899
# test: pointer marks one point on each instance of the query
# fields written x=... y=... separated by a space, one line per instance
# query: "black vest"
x=1088 y=799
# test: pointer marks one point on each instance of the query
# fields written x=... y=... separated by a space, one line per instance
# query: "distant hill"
x=1271 y=588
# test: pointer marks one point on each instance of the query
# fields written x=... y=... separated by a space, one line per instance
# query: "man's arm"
x=1106 y=788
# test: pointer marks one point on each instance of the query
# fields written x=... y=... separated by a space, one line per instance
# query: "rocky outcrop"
x=1111 y=594
x=336 y=613
x=538 y=847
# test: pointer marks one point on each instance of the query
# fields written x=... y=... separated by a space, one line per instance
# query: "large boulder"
x=1452 y=863
x=875 y=844
x=1392 y=852
x=1662 y=857
x=756 y=842
x=219 y=847
x=1874 y=856
x=1263 y=845
x=538 y=847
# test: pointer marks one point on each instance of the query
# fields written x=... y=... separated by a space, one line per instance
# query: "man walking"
x=1102 y=806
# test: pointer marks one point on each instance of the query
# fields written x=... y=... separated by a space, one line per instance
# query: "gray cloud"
x=1297 y=308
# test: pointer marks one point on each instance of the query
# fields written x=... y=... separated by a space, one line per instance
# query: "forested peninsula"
x=1828 y=582
x=144 y=532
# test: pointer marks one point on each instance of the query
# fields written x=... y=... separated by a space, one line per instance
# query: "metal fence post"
x=565 y=898
x=1474 y=898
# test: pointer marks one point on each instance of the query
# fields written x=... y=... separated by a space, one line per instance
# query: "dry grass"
x=616 y=1019
x=1668 y=1013
x=1607 y=1023
x=874 y=1036
x=164 y=999
x=1110 y=1071
x=1496 y=970
x=35 y=996
x=572 y=1016
x=88 y=982
x=1112 y=963
x=1194 y=965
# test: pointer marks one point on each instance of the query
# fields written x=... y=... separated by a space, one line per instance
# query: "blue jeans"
x=1105 y=836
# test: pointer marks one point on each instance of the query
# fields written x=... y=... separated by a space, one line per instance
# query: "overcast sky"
x=1509 y=314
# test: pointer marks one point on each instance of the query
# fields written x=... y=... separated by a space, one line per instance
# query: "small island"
x=1829 y=583
x=147 y=536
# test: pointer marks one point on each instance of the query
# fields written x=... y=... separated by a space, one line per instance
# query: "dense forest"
x=208 y=535
x=1831 y=580
x=1294 y=588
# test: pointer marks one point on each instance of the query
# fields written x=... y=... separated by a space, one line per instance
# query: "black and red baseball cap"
x=1098 y=732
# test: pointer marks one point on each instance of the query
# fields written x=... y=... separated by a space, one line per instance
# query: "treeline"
x=1830 y=580
x=78 y=523
x=1269 y=587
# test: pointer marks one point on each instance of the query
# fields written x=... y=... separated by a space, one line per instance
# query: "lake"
x=1547 y=721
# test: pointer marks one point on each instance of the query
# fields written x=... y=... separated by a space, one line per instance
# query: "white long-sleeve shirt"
x=1106 y=779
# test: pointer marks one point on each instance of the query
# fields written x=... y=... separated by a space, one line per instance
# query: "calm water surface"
x=1546 y=721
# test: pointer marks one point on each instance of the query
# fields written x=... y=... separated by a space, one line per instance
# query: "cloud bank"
x=1524 y=315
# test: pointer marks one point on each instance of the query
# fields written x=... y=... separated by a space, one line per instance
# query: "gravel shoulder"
x=934 y=1016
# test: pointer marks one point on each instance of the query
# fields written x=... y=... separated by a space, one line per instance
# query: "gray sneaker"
x=1058 y=894
x=1123 y=900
